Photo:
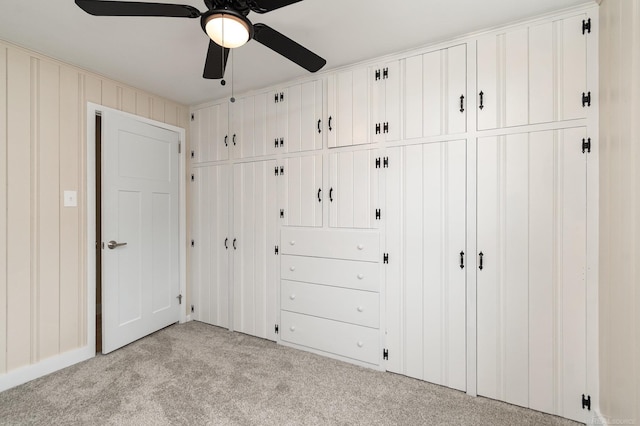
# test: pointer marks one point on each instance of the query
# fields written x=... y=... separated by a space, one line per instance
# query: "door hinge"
x=586 y=145
x=385 y=258
x=193 y=243
x=586 y=402
x=193 y=116
x=193 y=309
x=276 y=329
x=385 y=73
x=276 y=171
x=282 y=170
x=378 y=163
x=377 y=128
x=281 y=213
x=275 y=98
x=277 y=250
x=179 y=297
x=385 y=162
x=281 y=96
x=385 y=127
x=377 y=75
x=586 y=99
x=193 y=177
x=586 y=26
x=276 y=143
x=193 y=154
x=385 y=354
x=378 y=214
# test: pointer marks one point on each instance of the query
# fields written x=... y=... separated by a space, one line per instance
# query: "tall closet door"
x=253 y=243
x=426 y=285
x=300 y=192
x=210 y=253
x=531 y=289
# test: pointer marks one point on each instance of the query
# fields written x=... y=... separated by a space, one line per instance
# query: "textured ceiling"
x=166 y=56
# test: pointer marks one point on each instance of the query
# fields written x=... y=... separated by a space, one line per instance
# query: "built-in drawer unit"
x=335 y=337
x=341 y=304
x=330 y=293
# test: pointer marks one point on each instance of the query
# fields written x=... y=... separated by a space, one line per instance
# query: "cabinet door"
x=531 y=288
x=254 y=240
x=294 y=119
x=353 y=190
x=246 y=134
x=260 y=125
x=457 y=101
x=311 y=116
x=385 y=102
x=235 y=133
x=220 y=119
x=301 y=189
x=349 y=108
x=277 y=123
x=426 y=286
x=210 y=255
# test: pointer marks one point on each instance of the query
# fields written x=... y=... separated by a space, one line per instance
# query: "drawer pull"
x=292 y=268
x=292 y=242
x=360 y=309
x=360 y=276
x=360 y=247
x=292 y=297
x=292 y=328
x=360 y=344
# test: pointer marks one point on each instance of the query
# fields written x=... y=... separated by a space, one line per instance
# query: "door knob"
x=112 y=244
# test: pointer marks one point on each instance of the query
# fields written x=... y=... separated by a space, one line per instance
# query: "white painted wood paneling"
x=385 y=101
x=426 y=314
x=3 y=210
x=532 y=289
x=260 y=125
x=349 y=108
x=302 y=180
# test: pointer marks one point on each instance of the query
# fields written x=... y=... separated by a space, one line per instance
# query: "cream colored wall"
x=620 y=211
x=43 y=306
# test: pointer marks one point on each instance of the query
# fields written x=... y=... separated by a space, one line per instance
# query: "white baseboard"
x=30 y=372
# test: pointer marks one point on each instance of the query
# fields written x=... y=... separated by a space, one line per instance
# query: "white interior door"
x=140 y=229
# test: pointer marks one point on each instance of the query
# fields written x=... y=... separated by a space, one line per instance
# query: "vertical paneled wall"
x=43 y=284
x=620 y=211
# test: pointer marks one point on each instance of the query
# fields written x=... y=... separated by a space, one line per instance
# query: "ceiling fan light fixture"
x=227 y=29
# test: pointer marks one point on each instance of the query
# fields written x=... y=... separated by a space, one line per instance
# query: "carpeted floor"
x=198 y=374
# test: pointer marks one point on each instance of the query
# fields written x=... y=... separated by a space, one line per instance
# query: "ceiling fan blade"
x=135 y=8
x=216 y=61
x=264 y=6
x=288 y=48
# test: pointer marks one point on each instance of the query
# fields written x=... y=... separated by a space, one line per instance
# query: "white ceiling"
x=165 y=56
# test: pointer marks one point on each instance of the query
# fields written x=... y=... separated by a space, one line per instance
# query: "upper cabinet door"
x=208 y=134
x=385 y=102
x=435 y=93
x=300 y=192
x=277 y=123
x=532 y=75
x=348 y=121
x=304 y=117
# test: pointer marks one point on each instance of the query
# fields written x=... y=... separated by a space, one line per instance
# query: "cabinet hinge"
x=275 y=98
x=281 y=96
x=378 y=214
x=385 y=258
x=586 y=402
x=179 y=297
x=193 y=243
x=277 y=250
x=385 y=128
x=377 y=128
x=193 y=308
x=179 y=148
x=586 y=145
x=282 y=170
x=193 y=116
x=377 y=75
x=586 y=26
x=275 y=142
x=193 y=177
x=281 y=213
x=385 y=73
x=276 y=171
x=193 y=154
x=276 y=329
x=385 y=354
x=385 y=162
x=586 y=99
x=378 y=163
x=281 y=142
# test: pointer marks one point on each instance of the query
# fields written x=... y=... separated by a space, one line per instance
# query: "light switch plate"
x=70 y=199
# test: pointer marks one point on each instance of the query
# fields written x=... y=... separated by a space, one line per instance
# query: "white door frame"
x=92 y=111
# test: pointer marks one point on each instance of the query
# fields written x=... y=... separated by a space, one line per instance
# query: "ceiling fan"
x=225 y=22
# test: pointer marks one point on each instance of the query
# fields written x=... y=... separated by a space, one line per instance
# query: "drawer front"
x=339 y=338
x=341 y=304
x=334 y=272
x=336 y=244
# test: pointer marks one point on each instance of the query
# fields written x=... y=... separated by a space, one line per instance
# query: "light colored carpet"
x=198 y=374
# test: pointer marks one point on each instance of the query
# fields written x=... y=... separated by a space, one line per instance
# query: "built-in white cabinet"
x=330 y=293
x=255 y=223
x=533 y=74
x=304 y=131
x=277 y=124
x=300 y=194
x=241 y=139
x=353 y=190
x=209 y=134
x=531 y=284
x=435 y=93
x=211 y=244
x=426 y=256
x=385 y=101
x=348 y=108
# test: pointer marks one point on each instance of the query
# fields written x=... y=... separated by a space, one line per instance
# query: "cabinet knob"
x=360 y=344
x=360 y=246
x=292 y=297
x=360 y=309
x=360 y=276
x=292 y=268
x=292 y=328
x=292 y=242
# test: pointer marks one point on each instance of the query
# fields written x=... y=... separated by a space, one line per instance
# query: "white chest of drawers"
x=330 y=293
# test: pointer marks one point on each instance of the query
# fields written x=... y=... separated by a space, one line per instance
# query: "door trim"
x=90 y=213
